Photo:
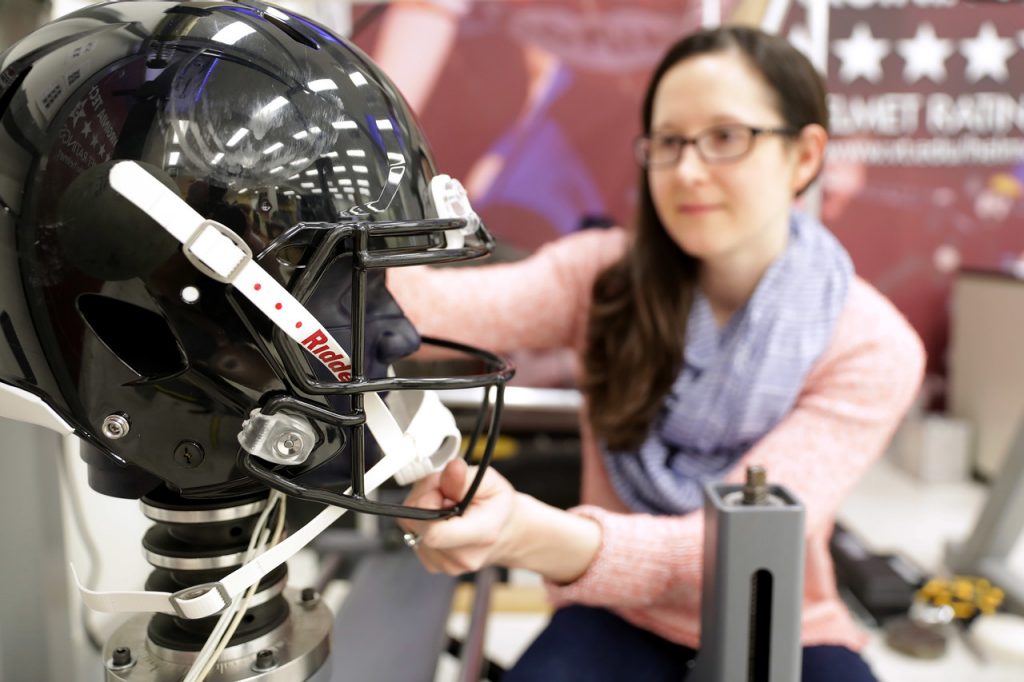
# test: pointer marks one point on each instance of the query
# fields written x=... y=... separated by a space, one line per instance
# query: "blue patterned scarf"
x=738 y=381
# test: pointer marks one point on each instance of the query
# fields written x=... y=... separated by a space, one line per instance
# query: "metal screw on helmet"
x=189 y=454
x=116 y=425
x=289 y=444
x=120 y=659
x=265 y=660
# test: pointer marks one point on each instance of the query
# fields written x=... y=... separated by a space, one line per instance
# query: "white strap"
x=430 y=427
x=216 y=251
x=205 y=600
x=207 y=242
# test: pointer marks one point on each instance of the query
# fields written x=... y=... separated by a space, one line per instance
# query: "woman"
x=727 y=330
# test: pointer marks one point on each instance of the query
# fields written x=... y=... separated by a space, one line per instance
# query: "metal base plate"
x=301 y=647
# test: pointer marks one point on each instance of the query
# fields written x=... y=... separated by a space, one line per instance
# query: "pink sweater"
x=648 y=568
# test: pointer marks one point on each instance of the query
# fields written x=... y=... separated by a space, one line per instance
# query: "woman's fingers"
x=463 y=543
x=425 y=485
x=473 y=529
x=450 y=562
x=481 y=523
x=425 y=494
x=455 y=480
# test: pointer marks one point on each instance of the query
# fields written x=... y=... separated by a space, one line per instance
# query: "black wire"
x=272 y=479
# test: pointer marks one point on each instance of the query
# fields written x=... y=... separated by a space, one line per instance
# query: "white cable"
x=211 y=650
x=200 y=666
x=227 y=624
x=278 y=531
x=224 y=629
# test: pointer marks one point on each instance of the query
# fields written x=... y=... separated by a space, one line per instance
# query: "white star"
x=861 y=55
x=986 y=54
x=87 y=128
x=925 y=55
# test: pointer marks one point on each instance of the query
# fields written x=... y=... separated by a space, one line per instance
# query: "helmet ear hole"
x=140 y=338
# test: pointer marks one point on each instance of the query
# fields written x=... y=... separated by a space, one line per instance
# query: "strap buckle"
x=189 y=594
x=217 y=251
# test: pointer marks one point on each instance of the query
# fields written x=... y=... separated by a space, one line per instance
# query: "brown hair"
x=637 y=326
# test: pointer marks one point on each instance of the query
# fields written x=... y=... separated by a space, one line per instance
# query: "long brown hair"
x=637 y=327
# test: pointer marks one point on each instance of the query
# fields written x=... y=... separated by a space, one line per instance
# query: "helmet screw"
x=121 y=659
x=189 y=454
x=289 y=444
x=116 y=425
x=265 y=660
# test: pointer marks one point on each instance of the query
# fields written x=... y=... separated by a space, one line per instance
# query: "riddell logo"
x=316 y=343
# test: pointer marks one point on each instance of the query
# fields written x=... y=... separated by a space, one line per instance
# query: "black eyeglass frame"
x=641 y=145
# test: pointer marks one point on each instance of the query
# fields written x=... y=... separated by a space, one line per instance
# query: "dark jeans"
x=586 y=644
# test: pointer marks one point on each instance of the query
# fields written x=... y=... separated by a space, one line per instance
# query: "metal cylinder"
x=283 y=636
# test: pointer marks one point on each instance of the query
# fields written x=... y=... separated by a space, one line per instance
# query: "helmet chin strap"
x=428 y=441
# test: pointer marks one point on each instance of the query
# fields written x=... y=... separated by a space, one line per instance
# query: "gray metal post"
x=35 y=625
x=753 y=584
x=1000 y=525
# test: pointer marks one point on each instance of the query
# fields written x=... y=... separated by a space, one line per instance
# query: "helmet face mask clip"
x=241 y=293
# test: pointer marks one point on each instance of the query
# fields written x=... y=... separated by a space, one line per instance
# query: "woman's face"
x=734 y=210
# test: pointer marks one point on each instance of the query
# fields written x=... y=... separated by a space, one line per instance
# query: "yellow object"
x=967 y=595
x=505 y=598
x=1005 y=184
x=505 y=447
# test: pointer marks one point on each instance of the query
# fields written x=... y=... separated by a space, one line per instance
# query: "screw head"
x=120 y=659
x=189 y=454
x=309 y=597
x=265 y=660
x=116 y=426
x=289 y=444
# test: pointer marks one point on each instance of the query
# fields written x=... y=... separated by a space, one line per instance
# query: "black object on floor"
x=884 y=584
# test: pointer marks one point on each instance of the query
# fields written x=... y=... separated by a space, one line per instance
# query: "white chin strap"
x=417 y=436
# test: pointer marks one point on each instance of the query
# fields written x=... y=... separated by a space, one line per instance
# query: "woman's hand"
x=482 y=535
x=500 y=527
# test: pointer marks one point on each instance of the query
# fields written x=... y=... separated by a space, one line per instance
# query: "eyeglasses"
x=717 y=144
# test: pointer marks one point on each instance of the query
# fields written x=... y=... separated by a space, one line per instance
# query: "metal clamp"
x=278 y=438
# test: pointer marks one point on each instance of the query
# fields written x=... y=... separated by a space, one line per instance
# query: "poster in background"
x=926 y=163
x=534 y=105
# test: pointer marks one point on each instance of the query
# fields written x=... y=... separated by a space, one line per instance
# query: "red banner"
x=534 y=106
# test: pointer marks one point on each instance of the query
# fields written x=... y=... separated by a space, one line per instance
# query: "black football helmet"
x=296 y=149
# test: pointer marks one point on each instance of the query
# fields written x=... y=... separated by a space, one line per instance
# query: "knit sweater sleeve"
x=538 y=303
x=849 y=407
